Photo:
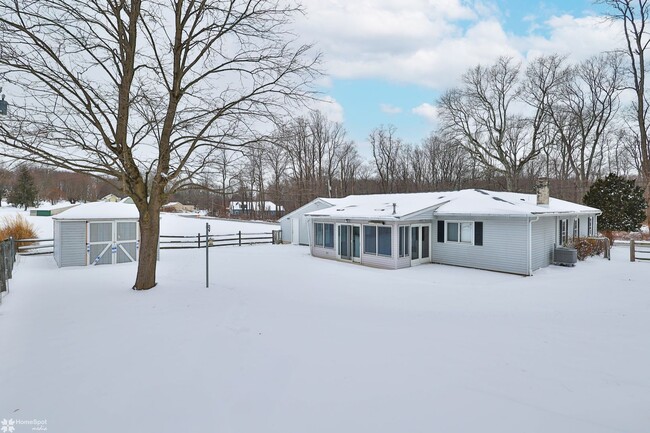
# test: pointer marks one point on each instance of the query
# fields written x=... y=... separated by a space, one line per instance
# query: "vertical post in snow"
x=207 y=253
x=632 y=255
x=198 y=240
x=240 y=238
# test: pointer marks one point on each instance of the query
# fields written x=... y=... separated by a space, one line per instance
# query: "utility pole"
x=3 y=104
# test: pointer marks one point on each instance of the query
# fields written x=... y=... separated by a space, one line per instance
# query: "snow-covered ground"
x=284 y=342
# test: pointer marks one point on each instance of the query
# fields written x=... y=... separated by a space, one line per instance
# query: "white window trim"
x=377 y=253
x=459 y=242
x=334 y=237
x=407 y=236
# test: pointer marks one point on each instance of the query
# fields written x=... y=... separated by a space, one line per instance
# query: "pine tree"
x=24 y=191
x=620 y=200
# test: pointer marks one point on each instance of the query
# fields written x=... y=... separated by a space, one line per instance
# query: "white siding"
x=543 y=241
x=72 y=243
x=504 y=249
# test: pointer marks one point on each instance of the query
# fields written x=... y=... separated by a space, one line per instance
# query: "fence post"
x=239 y=238
x=6 y=251
x=608 y=253
x=632 y=255
x=3 y=274
x=198 y=238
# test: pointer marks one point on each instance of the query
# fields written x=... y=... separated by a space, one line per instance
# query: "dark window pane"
x=385 y=241
x=415 y=243
x=452 y=232
x=370 y=239
x=319 y=234
x=425 y=242
x=329 y=235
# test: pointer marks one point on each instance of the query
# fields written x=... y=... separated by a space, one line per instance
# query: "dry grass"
x=17 y=227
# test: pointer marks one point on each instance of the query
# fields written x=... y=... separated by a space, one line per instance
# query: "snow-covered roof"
x=100 y=210
x=465 y=202
x=325 y=200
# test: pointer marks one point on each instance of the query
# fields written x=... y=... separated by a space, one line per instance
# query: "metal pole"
x=207 y=254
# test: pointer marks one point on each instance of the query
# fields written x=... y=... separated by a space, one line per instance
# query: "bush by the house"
x=588 y=247
x=17 y=227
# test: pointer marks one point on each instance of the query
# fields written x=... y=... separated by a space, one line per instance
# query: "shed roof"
x=100 y=210
x=463 y=202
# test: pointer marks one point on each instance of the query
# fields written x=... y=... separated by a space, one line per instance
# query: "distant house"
x=52 y=210
x=295 y=225
x=499 y=231
x=265 y=208
x=175 y=206
x=96 y=234
x=110 y=198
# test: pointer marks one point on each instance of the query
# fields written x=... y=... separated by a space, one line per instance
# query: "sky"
x=386 y=62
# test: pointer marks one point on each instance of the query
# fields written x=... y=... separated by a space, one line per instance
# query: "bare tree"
x=634 y=15
x=144 y=92
x=386 y=147
x=582 y=111
x=480 y=115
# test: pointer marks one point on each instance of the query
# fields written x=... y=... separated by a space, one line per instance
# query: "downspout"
x=530 y=245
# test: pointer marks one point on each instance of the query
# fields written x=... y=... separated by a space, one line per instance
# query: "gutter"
x=530 y=245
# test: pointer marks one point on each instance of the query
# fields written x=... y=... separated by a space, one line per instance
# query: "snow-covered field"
x=283 y=342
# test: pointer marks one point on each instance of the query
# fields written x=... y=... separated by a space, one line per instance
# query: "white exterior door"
x=420 y=244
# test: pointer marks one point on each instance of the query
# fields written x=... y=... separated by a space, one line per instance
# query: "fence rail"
x=7 y=260
x=177 y=242
x=639 y=250
x=34 y=247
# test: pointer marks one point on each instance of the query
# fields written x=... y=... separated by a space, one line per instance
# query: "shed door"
x=100 y=241
x=126 y=241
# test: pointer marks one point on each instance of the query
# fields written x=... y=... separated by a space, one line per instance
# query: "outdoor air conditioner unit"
x=565 y=256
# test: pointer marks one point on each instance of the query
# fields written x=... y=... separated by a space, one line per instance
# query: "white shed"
x=98 y=233
x=294 y=225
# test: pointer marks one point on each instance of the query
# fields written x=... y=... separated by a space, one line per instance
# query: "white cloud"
x=431 y=43
x=426 y=110
x=389 y=109
x=329 y=107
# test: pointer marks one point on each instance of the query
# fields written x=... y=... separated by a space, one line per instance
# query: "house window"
x=324 y=235
x=564 y=232
x=576 y=228
x=590 y=226
x=460 y=231
x=377 y=240
x=404 y=241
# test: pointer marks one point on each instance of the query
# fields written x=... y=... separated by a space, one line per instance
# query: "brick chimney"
x=542 y=191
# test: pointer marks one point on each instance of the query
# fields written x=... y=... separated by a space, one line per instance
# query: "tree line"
x=501 y=128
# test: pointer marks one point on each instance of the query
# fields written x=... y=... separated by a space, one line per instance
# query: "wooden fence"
x=173 y=242
x=34 y=247
x=7 y=260
x=639 y=250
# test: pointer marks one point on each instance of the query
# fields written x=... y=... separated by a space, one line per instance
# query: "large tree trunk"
x=647 y=199
x=148 y=255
